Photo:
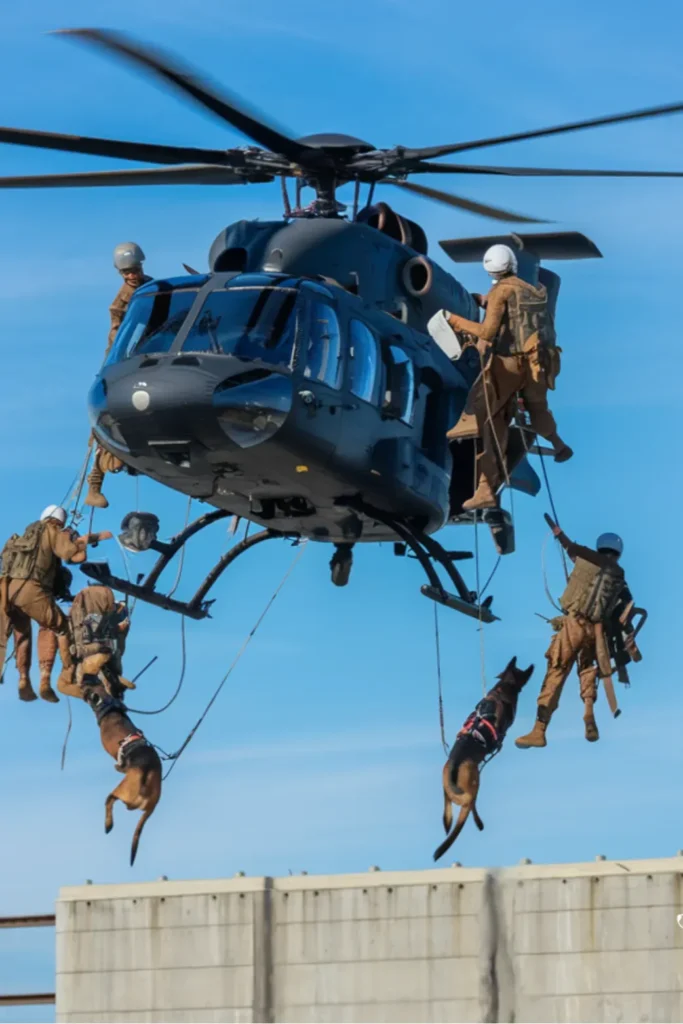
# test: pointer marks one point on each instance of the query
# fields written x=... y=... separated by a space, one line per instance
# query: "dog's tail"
x=448 y=842
x=138 y=832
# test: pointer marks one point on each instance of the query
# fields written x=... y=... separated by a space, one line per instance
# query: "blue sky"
x=322 y=753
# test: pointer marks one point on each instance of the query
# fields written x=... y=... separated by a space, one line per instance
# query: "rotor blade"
x=191 y=85
x=540 y=172
x=141 y=151
x=465 y=204
x=198 y=175
x=459 y=147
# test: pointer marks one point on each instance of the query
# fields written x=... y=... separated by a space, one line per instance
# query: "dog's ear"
x=527 y=675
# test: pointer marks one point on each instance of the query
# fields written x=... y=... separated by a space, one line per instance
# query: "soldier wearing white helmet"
x=128 y=260
x=596 y=591
x=31 y=577
x=518 y=334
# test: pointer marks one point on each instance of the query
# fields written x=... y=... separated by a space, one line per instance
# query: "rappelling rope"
x=174 y=757
x=482 y=646
x=73 y=496
x=438 y=678
x=183 y=646
x=553 y=509
x=182 y=553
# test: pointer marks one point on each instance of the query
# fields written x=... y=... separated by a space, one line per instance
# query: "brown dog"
x=481 y=737
x=140 y=790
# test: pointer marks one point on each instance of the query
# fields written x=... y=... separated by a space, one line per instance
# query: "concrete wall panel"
x=575 y=942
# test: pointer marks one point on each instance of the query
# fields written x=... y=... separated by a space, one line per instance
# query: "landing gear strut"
x=341 y=563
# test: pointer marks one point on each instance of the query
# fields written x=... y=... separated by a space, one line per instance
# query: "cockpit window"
x=151 y=323
x=250 y=323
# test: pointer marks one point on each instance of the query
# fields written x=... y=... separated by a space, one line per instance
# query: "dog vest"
x=481 y=726
x=126 y=747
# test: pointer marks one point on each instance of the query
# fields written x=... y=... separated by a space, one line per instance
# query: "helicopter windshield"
x=151 y=323
x=247 y=322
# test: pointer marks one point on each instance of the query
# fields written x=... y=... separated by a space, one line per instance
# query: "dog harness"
x=481 y=726
x=102 y=706
x=132 y=742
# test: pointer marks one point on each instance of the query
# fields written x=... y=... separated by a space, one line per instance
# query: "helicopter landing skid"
x=197 y=607
x=427 y=551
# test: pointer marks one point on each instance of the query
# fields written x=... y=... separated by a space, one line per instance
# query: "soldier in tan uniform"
x=29 y=576
x=595 y=588
x=518 y=334
x=99 y=628
x=128 y=260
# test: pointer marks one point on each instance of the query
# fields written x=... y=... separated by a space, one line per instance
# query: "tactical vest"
x=19 y=558
x=530 y=324
x=593 y=591
x=95 y=632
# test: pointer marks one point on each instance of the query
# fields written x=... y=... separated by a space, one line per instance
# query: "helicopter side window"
x=364 y=362
x=151 y=323
x=399 y=397
x=323 y=360
x=250 y=323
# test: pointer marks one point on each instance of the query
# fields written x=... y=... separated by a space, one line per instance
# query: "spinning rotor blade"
x=540 y=172
x=459 y=147
x=466 y=204
x=146 y=176
x=142 y=151
x=191 y=85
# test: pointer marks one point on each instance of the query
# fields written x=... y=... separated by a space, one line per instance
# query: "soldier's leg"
x=535 y=397
x=94 y=497
x=588 y=688
x=561 y=656
x=40 y=606
x=498 y=384
x=47 y=655
x=22 y=653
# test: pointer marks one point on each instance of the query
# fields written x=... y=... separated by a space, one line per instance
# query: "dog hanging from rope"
x=480 y=739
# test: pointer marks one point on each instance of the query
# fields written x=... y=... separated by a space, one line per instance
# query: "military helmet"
x=128 y=255
x=54 y=512
x=500 y=259
x=610 y=542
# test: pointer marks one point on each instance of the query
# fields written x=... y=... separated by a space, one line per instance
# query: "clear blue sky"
x=323 y=752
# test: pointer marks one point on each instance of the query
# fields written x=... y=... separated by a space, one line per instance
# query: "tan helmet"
x=128 y=255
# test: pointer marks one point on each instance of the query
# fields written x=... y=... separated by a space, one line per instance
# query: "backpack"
x=20 y=553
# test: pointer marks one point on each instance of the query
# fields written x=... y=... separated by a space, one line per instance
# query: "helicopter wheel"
x=341 y=563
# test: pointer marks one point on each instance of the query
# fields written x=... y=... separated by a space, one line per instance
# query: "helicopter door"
x=365 y=381
x=319 y=391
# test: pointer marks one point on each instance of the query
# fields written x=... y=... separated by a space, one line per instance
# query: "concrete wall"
x=580 y=942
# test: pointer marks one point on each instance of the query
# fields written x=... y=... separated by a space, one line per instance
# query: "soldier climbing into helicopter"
x=128 y=260
x=517 y=347
x=593 y=606
x=31 y=582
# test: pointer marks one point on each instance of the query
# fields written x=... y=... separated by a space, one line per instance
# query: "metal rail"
x=31 y=998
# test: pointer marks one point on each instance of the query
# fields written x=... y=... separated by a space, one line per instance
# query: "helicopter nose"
x=251 y=407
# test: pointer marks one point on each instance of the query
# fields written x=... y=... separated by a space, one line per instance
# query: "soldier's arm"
x=495 y=311
x=72 y=548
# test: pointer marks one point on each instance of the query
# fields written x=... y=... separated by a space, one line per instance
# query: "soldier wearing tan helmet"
x=30 y=579
x=518 y=335
x=595 y=590
x=128 y=260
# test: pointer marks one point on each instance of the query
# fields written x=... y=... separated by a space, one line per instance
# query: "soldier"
x=518 y=332
x=595 y=588
x=128 y=260
x=100 y=626
x=30 y=577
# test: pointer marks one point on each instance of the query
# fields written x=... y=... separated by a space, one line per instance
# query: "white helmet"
x=128 y=255
x=610 y=542
x=500 y=259
x=54 y=512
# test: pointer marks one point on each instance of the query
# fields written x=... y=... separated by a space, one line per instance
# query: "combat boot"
x=66 y=681
x=483 y=497
x=46 y=691
x=592 y=734
x=535 y=738
x=563 y=452
x=26 y=691
x=94 y=497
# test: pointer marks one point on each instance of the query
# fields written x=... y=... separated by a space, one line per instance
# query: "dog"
x=135 y=757
x=481 y=736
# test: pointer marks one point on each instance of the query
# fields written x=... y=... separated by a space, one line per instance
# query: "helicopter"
x=298 y=384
